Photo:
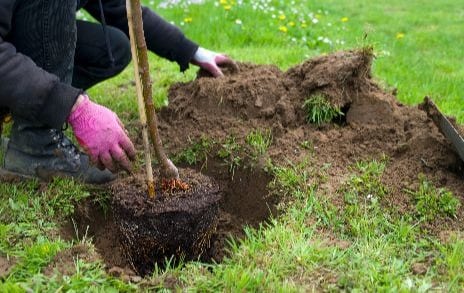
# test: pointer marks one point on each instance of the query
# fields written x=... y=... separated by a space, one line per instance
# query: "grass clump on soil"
x=197 y=152
x=432 y=202
x=259 y=141
x=319 y=111
x=291 y=179
x=231 y=152
x=363 y=214
x=365 y=183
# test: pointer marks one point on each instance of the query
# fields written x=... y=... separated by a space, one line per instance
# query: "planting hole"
x=244 y=201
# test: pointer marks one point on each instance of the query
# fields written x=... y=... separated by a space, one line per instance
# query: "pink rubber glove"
x=100 y=132
x=210 y=61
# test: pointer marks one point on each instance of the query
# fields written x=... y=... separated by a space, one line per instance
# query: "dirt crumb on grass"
x=6 y=265
x=64 y=261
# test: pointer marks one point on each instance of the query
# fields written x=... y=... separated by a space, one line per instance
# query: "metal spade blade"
x=445 y=126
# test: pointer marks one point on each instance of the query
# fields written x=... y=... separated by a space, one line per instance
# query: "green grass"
x=259 y=141
x=30 y=215
x=197 y=152
x=313 y=244
x=230 y=152
x=432 y=202
x=319 y=111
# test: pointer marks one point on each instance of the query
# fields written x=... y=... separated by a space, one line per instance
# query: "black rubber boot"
x=46 y=153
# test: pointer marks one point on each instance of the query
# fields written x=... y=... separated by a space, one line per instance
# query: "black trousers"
x=91 y=61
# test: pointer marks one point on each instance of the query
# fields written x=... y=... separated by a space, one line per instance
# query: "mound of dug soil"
x=376 y=123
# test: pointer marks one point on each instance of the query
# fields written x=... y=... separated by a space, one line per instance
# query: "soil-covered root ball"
x=175 y=224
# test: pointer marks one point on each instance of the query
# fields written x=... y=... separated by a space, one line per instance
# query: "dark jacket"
x=31 y=92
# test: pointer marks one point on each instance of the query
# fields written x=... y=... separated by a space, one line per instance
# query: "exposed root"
x=174 y=184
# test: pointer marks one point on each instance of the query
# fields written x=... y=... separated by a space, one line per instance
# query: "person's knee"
x=92 y=62
x=120 y=48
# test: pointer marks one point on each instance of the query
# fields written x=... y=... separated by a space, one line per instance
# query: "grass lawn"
x=418 y=47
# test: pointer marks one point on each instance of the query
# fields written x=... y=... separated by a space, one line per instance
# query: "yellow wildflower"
x=303 y=25
x=188 y=19
x=399 y=35
x=283 y=29
x=222 y=2
x=291 y=23
x=228 y=7
x=344 y=19
x=282 y=17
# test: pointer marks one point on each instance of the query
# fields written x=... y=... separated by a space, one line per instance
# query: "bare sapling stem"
x=144 y=93
x=141 y=106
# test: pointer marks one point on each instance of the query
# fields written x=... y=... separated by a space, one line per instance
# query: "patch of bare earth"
x=6 y=266
x=65 y=261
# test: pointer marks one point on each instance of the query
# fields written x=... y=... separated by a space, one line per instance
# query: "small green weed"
x=307 y=145
x=230 y=152
x=365 y=182
x=259 y=141
x=36 y=256
x=362 y=192
x=319 y=111
x=292 y=179
x=432 y=202
x=197 y=152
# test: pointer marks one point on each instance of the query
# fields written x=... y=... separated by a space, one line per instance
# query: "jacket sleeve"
x=163 y=38
x=27 y=90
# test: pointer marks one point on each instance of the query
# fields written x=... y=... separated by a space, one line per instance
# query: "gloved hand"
x=210 y=61
x=100 y=132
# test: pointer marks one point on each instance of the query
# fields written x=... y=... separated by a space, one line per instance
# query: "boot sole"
x=10 y=176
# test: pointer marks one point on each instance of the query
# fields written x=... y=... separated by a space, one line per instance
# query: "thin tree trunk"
x=141 y=107
x=143 y=83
